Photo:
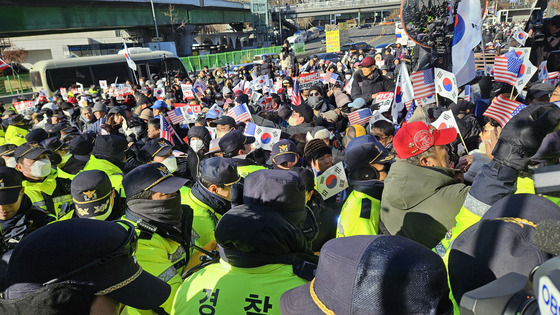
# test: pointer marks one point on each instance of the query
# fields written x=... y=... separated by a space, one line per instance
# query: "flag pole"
x=483 y=55
x=462 y=140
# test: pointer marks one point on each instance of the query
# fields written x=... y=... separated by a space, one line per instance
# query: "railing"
x=330 y=4
x=14 y=84
x=193 y=63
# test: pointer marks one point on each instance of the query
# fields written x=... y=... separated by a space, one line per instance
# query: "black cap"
x=91 y=192
x=7 y=149
x=284 y=151
x=111 y=146
x=112 y=244
x=461 y=107
x=10 y=185
x=29 y=151
x=82 y=144
x=360 y=154
x=224 y=120
x=153 y=177
x=234 y=140
x=279 y=190
x=540 y=89
x=305 y=111
x=117 y=110
x=36 y=135
x=59 y=127
x=219 y=171
x=242 y=99
x=154 y=147
x=54 y=144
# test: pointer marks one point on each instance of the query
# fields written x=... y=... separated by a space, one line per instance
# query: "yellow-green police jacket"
x=114 y=172
x=224 y=289
x=15 y=135
x=163 y=258
x=359 y=215
x=41 y=195
x=204 y=218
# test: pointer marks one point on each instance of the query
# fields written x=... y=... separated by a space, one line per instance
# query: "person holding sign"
x=368 y=80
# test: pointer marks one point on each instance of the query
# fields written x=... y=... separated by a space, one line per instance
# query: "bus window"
x=110 y=72
x=174 y=66
x=59 y=77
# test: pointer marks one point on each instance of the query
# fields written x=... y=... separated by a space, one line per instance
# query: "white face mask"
x=220 y=103
x=171 y=163
x=197 y=145
x=134 y=130
x=11 y=162
x=292 y=121
x=68 y=112
x=348 y=76
x=40 y=168
x=220 y=134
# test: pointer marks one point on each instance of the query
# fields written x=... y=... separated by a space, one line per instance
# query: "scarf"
x=217 y=203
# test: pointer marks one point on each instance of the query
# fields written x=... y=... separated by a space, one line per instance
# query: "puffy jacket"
x=163 y=258
x=421 y=203
x=217 y=289
x=364 y=87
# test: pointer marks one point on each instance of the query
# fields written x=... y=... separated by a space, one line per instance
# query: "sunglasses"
x=314 y=94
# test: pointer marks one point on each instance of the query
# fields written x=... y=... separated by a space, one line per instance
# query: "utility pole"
x=155 y=23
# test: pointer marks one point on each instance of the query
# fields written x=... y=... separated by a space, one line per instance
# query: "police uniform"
x=162 y=249
x=52 y=194
x=260 y=240
x=233 y=141
x=80 y=150
x=15 y=134
x=108 y=150
x=208 y=208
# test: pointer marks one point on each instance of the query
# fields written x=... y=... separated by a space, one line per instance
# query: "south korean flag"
x=332 y=181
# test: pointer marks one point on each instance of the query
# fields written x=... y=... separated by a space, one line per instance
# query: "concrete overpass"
x=35 y=17
x=321 y=8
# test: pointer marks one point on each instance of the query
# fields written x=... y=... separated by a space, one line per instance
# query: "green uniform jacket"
x=114 y=172
x=41 y=195
x=204 y=218
x=159 y=256
x=16 y=135
x=359 y=215
x=223 y=289
x=420 y=203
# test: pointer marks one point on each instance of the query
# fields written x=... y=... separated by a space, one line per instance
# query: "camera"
x=536 y=22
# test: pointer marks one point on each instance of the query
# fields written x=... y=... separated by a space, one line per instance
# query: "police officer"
x=264 y=246
x=284 y=154
x=367 y=162
x=18 y=216
x=42 y=186
x=154 y=206
x=109 y=156
x=94 y=197
x=235 y=144
x=7 y=154
x=210 y=196
x=48 y=275
x=80 y=150
x=17 y=129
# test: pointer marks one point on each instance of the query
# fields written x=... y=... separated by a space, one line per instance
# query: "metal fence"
x=193 y=63
x=14 y=84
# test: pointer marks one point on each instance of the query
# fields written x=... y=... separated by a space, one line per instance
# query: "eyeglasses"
x=314 y=94
x=379 y=137
x=127 y=248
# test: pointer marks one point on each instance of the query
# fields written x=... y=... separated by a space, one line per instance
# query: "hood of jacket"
x=421 y=182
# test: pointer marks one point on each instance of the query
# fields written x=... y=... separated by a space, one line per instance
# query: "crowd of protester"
x=179 y=203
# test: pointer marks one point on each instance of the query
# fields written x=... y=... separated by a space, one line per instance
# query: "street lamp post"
x=155 y=23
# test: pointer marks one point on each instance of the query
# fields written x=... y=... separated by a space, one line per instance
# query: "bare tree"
x=177 y=23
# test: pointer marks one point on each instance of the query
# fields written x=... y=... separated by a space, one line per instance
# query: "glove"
x=523 y=134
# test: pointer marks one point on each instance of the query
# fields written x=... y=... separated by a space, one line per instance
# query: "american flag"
x=176 y=116
x=348 y=86
x=294 y=94
x=551 y=75
x=240 y=113
x=166 y=130
x=506 y=67
x=410 y=111
x=423 y=83
x=330 y=77
x=502 y=109
x=359 y=117
x=467 y=93
x=3 y=64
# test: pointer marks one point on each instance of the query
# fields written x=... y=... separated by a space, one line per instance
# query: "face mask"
x=292 y=121
x=68 y=112
x=348 y=76
x=360 y=58
x=40 y=168
x=171 y=163
x=11 y=162
x=220 y=103
x=196 y=145
x=134 y=130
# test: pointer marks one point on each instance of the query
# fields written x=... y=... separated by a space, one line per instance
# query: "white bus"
x=514 y=15
x=400 y=35
x=51 y=75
